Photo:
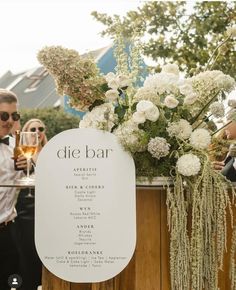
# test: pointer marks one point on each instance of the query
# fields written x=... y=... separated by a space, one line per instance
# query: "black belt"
x=5 y=224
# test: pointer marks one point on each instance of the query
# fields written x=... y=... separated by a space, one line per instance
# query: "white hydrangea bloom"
x=190 y=99
x=113 y=84
x=231 y=31
x=131 y=137
x=158 y=147
x=171 y=68
x=112 y=95
x=181 y=129
x=101 y=117
x=124 y=81
x=225 y=82
x=171 y=102
x=139 y=117
x=147 y=94
x=200 y=138
x=188 y=165
x=162 y=82
x=110 y=76
x=186 y=88
x=148 y=110
x=210 y=82
x=201 y=88
x=117 y=81
x=217 y=109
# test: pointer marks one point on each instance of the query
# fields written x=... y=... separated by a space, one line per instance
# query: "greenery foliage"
x=172 y=33
x=56 y=120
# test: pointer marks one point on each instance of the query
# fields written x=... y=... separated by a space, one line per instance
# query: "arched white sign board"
x=85 y=209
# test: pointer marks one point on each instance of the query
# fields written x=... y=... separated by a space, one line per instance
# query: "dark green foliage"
x=95 y=104
x=177 y=34
x=120 y=110
x=148 y=166
x=56 y=120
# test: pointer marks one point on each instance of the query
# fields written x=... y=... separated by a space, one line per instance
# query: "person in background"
x=36 y=125
x=9 y=256
x=219 y=147
x=30 y=264
x=228 y=166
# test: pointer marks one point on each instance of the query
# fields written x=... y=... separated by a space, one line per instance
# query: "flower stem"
x=221 y=128
x=203 y=109
x=214 y=52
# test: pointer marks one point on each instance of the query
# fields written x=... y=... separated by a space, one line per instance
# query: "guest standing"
x=30 y=264
x=228 y=166
x=8 y=236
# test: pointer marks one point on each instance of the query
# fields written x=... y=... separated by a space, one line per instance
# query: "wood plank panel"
x=165 y=245
x=148 y=249
x=224 y=280
x=52 y=282
x=80 y=286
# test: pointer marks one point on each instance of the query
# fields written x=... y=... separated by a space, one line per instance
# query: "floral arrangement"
x=167 y=125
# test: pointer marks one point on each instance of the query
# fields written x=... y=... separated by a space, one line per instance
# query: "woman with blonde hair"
x=30 y=264
x=36 y=125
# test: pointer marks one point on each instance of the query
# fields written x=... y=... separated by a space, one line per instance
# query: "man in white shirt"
x=8 y=237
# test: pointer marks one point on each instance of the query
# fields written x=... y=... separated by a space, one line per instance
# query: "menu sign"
x=85 y=206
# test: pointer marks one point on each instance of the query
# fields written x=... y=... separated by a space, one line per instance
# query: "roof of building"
x=35 y=87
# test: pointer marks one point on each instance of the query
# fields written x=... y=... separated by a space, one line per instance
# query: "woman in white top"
x=30 y=266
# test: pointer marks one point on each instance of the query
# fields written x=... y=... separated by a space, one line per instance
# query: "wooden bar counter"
x=149 y=266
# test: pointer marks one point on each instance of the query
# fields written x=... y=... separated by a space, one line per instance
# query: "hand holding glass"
x=28 y=145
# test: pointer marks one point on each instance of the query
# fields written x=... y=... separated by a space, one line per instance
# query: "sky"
x=26 y=26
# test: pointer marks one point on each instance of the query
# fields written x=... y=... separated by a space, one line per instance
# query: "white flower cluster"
x=116 y=82
x=158 y=147
x=181 y=129
x=231 y=31
x=163 y=82
x=188 y=165
x=131 y=137
x=200 y=138
x=145 y=93
x=170 y=68
x=204 y=85
x=187 y=90
x=101 y=117
x=217 y=110
x=112 y=95
x=166 y=101
x=171 y=102
x=145 y=110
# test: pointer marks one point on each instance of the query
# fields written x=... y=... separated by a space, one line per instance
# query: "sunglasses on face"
x=40 y=129
x=4 y=116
